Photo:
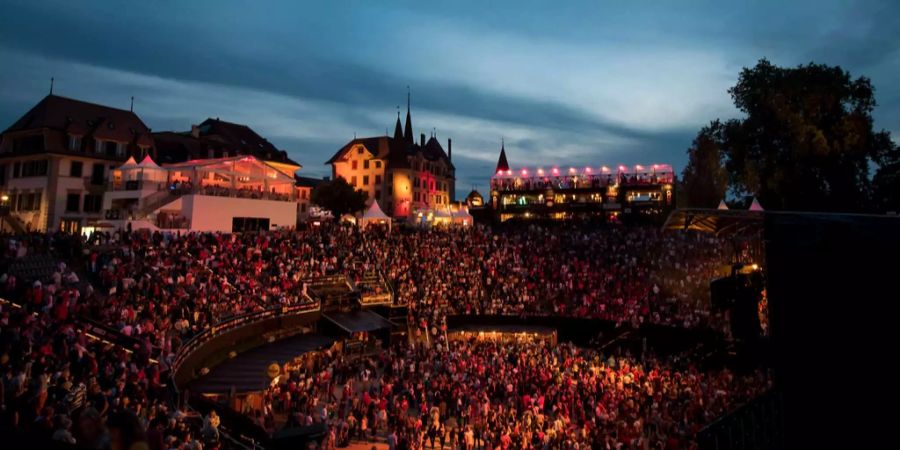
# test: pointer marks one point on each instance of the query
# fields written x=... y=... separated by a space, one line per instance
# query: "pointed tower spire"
x=408 y=132
x=398 y=129
x=502 y=164
x=51 y=85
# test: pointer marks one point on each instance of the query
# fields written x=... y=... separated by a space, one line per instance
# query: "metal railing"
x=235 y=322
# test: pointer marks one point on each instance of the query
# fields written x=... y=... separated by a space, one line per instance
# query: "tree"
x=339 y=197
x=704 y=178
x=806 y=141
x=887 y=183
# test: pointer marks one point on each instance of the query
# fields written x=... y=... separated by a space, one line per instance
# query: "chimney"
x=422 y=139
x=195 y=131
x=450 y=149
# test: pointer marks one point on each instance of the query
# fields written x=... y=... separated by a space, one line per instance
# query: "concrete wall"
x=211 y=213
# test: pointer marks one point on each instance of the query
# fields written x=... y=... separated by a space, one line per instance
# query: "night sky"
x=584 y=84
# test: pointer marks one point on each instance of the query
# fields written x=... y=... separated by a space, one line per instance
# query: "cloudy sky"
x=585 y=83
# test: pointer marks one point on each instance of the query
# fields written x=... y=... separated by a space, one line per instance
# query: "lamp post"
x=4 y=210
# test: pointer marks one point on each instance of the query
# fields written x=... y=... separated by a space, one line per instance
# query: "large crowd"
x=162 y=289
x=469 y=394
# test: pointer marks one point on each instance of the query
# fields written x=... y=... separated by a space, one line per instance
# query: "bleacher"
x=334 y=292
x=33 y=267
x=373 y=289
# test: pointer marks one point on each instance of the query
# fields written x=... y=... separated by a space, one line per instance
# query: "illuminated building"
x=233 y=194
x=216 y=138
x=570 y=192
x=404 y=176
x=56 y=159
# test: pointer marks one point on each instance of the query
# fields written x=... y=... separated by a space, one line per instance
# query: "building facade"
x=233 y=194
x=639 y=193
x=403 y=175
x=55 y=162
x=216 y=138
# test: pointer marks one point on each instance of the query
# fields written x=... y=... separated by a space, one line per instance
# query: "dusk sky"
x=587 y=83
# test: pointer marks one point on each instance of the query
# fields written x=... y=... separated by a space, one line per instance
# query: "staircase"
x=155 y=201
x=334 y=292
x=15 y=223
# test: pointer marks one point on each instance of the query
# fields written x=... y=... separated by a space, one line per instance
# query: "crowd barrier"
x=243 y=328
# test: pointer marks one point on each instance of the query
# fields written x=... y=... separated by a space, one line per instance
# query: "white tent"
x=150 y=171
x=130 y=164
x=148 y=163
x=755 y=206
x=722 y=205
x=374 y=215
x=462 y=217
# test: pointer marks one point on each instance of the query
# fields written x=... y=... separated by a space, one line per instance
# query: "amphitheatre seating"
x=33 y=267
x=334 y=292
x=373 y=289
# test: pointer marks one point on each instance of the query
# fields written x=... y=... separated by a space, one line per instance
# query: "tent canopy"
x=130 y=164
x=375 y=213
x=755 y=206
x=148 y=163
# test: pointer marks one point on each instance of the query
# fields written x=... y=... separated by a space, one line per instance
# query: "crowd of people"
x=162 y=289
x=627 y=275
x=476 y=394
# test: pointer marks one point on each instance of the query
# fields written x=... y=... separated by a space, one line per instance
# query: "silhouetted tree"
x=339 y=197
x=704 y=178
x=886 y=195
x=806 y=141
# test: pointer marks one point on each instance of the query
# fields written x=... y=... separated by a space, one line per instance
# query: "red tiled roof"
x=80 y=117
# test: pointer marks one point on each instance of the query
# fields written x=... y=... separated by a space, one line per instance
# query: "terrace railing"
x=236 y=322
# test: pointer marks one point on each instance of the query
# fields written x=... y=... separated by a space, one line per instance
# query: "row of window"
x=93 y=203
x=354 y=164
x=365 y=180
x=429 y=167
x=24 y=201
x=424 y=184
x=33 y=168
x=425 y=198
x=108 y=148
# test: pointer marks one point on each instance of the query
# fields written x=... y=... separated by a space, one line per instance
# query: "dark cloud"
x=346 y=59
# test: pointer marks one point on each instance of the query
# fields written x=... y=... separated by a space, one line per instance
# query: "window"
x=365 y=180
x=377 y=194
x=74 y=143
x=98 y=146
x=377 y=179
x=366 y=164
x=97 y=174
x=76 y=169
x=2 y=174
x=353 y=180
x=239 y=224
x=111 y=148
x=72 y=201
x=33 y=168
x=93 y=203
x=377 y=164
x=359 y=150
x=29 y=143
x=354 y=164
